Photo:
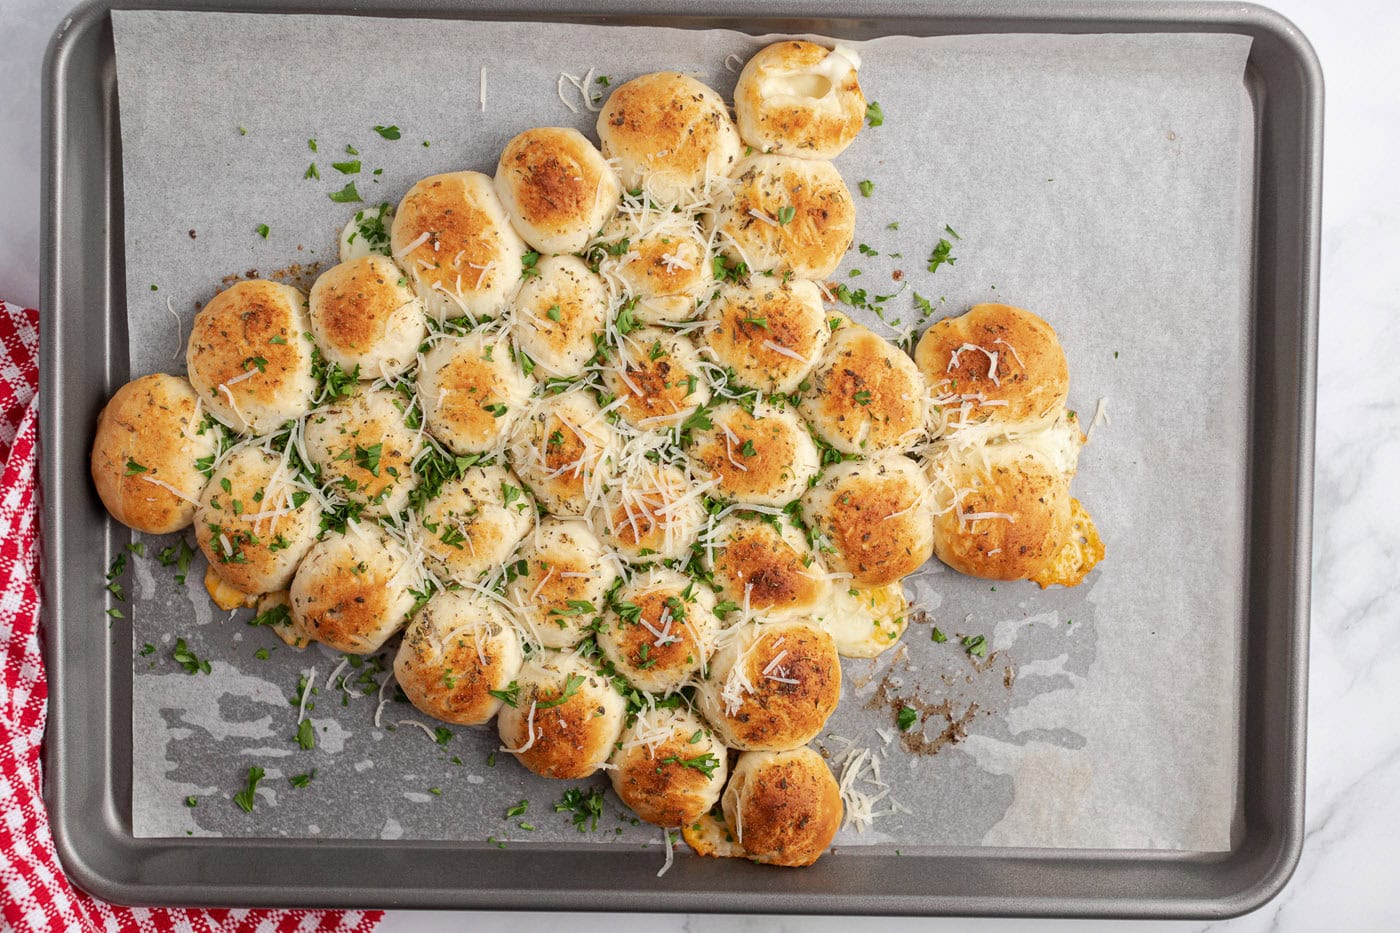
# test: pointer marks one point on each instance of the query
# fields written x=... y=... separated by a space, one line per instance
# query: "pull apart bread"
x=585 y=444
x=1004 y=450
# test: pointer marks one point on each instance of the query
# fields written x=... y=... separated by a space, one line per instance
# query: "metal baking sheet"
x=1187 y=882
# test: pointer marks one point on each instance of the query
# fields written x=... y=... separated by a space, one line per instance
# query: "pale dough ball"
x=669 y=767
x=567 y=575
x=563 y=448
x=363 y=449
x=800 y=99
x=453 y=239
x=652 y=515
x=150 y=454
x=558 y=314
x=365 y=318
x=661 y=260
x=659 y=630
x=557 y=189
x=472 y=525
x=355 y=589
x=455 y=652
x=770 y=332
x=472 y=391
x=248 y=356
x=670 y=136
x=783 y=214
x=255 y=522
x=565 y=718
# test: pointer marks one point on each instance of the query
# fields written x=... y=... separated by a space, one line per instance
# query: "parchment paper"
x=1102 y=181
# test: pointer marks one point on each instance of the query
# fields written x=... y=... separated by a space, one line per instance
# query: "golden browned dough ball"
x=472 y=390
x=455 y=651
x=771 y=685
x=366 y=319
x=669 y=135
x=660 y=259
x=770 y=570
x=763 y=457
x=783 y=214
x=248 y=357
x=865 y=395
x=1003 y=512
x=557 y=189
x=363 y=449
x=784 y=807
x=558 y=313
x=669 y=767
x=651 y=514
x=355 y=589
x=147 y=455
x=453 y=239
x=864 y=621
x=567 y=575
x=565 y=718
x=659 y=630
x=872 y=518
x=255 y=522
x=473 y=523
x=563 y=448
x=770 y=332
x=801 y=99
x=995 y=365
x=658 y=372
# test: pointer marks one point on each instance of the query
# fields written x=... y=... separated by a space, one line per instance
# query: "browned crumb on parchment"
x=939 y=724
x=300 y=276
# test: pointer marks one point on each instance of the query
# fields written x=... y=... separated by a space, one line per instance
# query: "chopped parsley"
x=705 y=764
x=570 y=688
x=306 y=735
x=312 y=171
x=367 y=458
x=132 y=467
x=785 y=215
x=866 y=187
x=938 y=635
x=347 y=168
x=520 y=809
x=346 y=195
x=510 y=696
x=246 y=797
x=301 y=780
x=186 y=658
x=263 y=230
x=388 y=132
x=905 y=719
x=586 y=806
x=874 y=113
x=976 y=645
x=942 y=253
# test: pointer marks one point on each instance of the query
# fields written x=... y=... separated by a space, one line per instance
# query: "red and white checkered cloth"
x=34 y=892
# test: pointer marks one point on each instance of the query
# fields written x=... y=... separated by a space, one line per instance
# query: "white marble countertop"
x=1347 y=873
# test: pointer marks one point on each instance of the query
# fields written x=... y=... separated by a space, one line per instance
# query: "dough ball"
x=864 y=622
x=472 y=392
x=146 y=456
x=763 y=458
x=865 y=395
x=662 y=260
x=363 y=449
x=563 y=448
x=472 y=525
x=355 y=589
x=658 y=372
x=995 y=354
x=557 y=189
x=455 y=651
x=248 y=358
x=800 y=99
x=255 y=521
x=454 y=241
x=367 y=233
x=769 y=332
x=652 y=515
x=566 y=578
x=872 y=518
x=669 y=135
x=669 y=767
x=365 y=317
x=659 y=630
x=771 y=686
x=558 y=314
x=565 y=719
x=1003 y=512
x=784 y=807
x=784 y=214
x=771 y=570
